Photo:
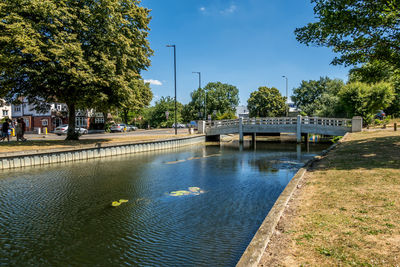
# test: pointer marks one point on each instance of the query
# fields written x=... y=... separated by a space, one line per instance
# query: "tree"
x=361 y=99
x=158 y=117
x=266 y=102
x=318 y=98
x=139 y=99
x=84 y=53
x=377 y=71
x=221 y=99
x=360 y=30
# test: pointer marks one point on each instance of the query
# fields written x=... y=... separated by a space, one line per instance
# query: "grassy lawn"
x=347 y=211
x=41 y=145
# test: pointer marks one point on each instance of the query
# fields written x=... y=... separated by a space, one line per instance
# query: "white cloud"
x=153 y=82
x=202 y=9
x=231 y=9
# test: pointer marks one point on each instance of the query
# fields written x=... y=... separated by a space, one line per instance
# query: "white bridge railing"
x=281 y=121
x=299 y=125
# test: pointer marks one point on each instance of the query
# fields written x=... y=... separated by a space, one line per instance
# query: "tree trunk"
x=125 y=112
x=71 y=134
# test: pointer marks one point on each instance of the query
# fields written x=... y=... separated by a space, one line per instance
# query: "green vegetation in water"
x=194 y=191
x=117 y=203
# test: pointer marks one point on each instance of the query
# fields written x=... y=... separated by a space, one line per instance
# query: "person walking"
x=4 y=130
x=18 y=130
x=23 y=126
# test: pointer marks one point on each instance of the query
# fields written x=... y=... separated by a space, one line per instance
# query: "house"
x=90 y=119
x=242 y=112
x=5 y=110
x=54 y=116
x=293 y=110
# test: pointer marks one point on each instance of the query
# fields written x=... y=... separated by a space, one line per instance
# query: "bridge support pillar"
x=298 y=130
x=306 y=138
x=201 y=127
x=356 y=124
x=240 y=130
x=254 y=140
x=253 y=137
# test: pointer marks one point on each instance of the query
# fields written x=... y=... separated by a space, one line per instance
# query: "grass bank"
x=347 y=209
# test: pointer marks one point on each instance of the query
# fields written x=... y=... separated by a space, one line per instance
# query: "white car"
x=63 y=129
x=119 y=128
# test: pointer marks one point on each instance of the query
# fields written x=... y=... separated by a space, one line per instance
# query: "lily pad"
x=115 y=203
x=179 y=193
x=194 y=189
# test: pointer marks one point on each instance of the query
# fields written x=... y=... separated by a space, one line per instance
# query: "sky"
x=245 y=43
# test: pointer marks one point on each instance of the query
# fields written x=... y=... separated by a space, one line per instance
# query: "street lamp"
x=287 y=99
x=205 y=95
x=176 y=124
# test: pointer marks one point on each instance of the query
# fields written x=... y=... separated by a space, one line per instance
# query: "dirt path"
x=347 y=209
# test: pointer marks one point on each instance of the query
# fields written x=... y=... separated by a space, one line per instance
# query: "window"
x=99 y=120
x=59 y=107
x=17 y=108
x=45 y=122
x=80 y=121
x=5 y=112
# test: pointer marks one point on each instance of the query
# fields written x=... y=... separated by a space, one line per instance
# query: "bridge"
x=300 y=125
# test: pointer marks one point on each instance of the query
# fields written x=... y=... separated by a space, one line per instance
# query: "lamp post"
x=205 y=95
x=176 y=124
x=287 y=99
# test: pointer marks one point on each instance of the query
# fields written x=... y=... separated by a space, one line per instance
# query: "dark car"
x=380 y=115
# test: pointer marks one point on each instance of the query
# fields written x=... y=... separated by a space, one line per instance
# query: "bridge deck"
x=299 y=125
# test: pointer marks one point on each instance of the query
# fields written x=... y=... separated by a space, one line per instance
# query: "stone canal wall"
x=93 y=153
x=254 y=251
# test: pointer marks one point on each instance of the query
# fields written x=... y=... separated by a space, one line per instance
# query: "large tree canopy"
x=377 y=71
x=360 y=30
x=221 y=101
x=318 y=98
x=85 y=53
x=365 y=100
x=266 y=102
x=157 y=115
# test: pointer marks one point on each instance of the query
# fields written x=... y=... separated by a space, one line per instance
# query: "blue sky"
x=246 y=43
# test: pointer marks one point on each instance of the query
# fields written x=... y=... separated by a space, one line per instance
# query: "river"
x=193 y=206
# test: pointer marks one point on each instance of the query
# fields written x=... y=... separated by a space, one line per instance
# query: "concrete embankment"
x=257 y=246
x=101 y=151
x=344 y=210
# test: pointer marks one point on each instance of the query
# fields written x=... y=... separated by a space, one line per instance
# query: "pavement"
x=41 y=143
x=103 y=135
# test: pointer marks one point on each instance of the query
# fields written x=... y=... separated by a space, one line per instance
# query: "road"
x=160 y=132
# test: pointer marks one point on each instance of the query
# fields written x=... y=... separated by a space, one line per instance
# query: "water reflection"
x=62 y=214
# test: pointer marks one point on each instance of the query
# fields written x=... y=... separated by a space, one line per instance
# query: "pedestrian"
x=23 y=126
x=18 y=130
x=4 y=131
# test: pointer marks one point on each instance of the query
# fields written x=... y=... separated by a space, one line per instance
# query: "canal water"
x=194 y=206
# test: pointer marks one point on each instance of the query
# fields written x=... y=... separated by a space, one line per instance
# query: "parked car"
x=178 y=125
x=132 y=128
x=63 y=129
x=119 y=128
x=380 y=115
